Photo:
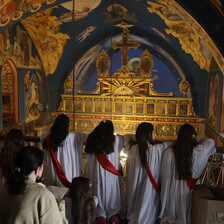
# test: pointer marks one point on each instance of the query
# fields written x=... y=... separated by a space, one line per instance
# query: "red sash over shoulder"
x=107 y=165
x=151 y=178
x=57 y=168
x=3 y=170
x=191 y=182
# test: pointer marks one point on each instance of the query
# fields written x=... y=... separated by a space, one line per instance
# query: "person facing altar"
x=181 y=166
x=63 y=151
x=104 y=170
x=143 y=176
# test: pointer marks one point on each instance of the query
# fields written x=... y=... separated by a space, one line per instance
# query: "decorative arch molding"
x=191 y=35
x=9 y=93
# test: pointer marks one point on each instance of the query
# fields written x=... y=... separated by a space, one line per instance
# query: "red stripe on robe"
x=151 y=178
x=107 y=165
x=57 y=168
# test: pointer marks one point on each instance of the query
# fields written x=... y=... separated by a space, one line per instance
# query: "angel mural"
x=82 y=36
x=82 y=9
x=117 y=13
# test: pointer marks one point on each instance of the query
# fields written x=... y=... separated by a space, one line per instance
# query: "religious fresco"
x=16 y=44
x=222 y=110
x=33 y=86
x=118 y=13
x=9 y=93
x=82 y=9
x=13 y=10
x=190 y=41
x=214 y=99
x=84 y=34
x=44 y=31
x=192 y=37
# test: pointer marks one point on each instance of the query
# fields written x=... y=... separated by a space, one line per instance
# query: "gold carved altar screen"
x=128 y=99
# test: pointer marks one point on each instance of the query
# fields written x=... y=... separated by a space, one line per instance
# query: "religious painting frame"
x=161 y=107
x=183 y=109
x=78 y=104
x=103 y=64
x=139 y=107
x=108 y=106
x=88 y=104
x=146 y=64
x=150 y=107
x=98 y=105
x=129 y=107
x=172 y=108
x=119 y=106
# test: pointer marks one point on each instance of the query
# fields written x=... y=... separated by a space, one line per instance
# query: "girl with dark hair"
x=143 y=169
x=181 y=166
x=80 y=203
x=13 y=143
x=62 y=153
x=103 y=149
x=22 y=200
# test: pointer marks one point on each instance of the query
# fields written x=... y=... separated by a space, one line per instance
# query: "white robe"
x=107 y=186
x=69 y=157
x=142 y=201
x=175 y=195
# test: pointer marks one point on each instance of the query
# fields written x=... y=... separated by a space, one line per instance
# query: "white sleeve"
x=200 y=156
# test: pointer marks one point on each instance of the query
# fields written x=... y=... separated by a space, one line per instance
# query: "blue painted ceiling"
x=94 y=28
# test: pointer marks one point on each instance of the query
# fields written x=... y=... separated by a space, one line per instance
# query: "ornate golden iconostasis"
x=128 y=99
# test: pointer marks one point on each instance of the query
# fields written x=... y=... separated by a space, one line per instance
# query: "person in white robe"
x=68 y=151
x=176 y=195
x=106 y=185
x=142 y=200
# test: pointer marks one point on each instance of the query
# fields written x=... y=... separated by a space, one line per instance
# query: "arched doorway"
x=10 y=94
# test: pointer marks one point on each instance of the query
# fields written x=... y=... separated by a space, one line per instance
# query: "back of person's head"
x=59 y=131
x=101 y=139
x=183 y=146
x=144 y=136
x=83 y=205
x=13 y=143
x=27 y=160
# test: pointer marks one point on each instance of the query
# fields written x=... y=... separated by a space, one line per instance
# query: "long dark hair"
x=59 y=131
x=27 y=160
x=183 y=150
x=143 y=137
x=101 y=139
x=13 y=143
x=83 y=205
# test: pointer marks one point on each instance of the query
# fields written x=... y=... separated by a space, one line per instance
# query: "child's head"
x=83 y=204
